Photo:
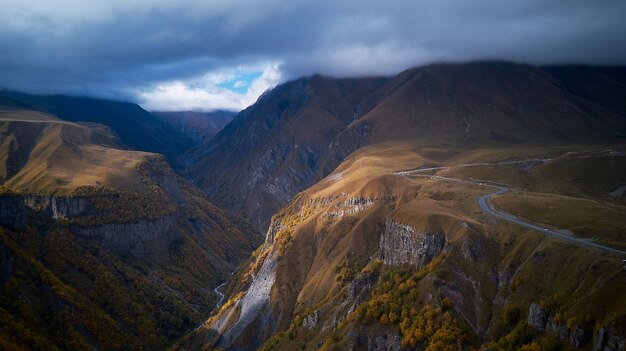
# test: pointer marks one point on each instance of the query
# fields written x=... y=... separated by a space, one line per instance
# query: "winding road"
x=486 y=207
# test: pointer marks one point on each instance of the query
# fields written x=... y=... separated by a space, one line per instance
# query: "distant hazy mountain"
x=301 y=130
x=135 y=127
x=199 y=126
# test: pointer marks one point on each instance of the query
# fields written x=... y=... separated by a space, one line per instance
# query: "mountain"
x=199 y=126
x=465 y=206
x=275 y=148
x=135 y=127
x=102 y=247
x=450 y=207
x=302 y=130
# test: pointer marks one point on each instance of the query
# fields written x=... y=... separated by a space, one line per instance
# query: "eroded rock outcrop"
x=403 y=244
x=608 y=339
x=310 y=321
x=536 y=317
x=578 y=336
x=390 y=342
x=57 y=207
x=351 y=206
x=16 y=208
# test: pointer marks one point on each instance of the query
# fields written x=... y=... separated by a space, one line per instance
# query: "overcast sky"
x=222 y=54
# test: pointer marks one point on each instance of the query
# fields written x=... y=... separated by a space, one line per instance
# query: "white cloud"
x=205 y=94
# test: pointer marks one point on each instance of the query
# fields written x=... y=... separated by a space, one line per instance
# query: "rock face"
x=359 y=290
x=351 y=206
x=15 y=208
x=57 y=206
x=361 y=286
x=403 y=244
x=310 y=321
x=274 y=228
x=608 y=340
x=577 y=336
x=140 y=237
x=254 y=304
x=536 y=317
x=390 y=342
x=249 y=321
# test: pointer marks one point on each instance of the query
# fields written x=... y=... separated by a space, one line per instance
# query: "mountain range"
x=302 y=130
x=450 y=207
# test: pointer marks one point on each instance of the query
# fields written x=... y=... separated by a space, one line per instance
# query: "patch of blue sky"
x=240 y=82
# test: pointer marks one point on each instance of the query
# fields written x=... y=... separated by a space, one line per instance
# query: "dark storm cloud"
x=118 y=47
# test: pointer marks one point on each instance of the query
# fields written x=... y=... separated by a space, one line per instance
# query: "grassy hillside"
x=41 y=153
x=369 y=257
x=135 y=127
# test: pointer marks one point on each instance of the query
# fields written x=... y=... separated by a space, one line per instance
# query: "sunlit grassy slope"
x=41 y=153
x=134 y=126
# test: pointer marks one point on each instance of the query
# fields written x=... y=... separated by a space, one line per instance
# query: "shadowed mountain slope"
x=199 y=126
x=275 y=148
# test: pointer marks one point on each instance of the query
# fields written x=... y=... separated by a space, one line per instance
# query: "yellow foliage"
x=394 y=301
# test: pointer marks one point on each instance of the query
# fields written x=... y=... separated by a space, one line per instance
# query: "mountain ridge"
x=135 y=127
x=438 y=100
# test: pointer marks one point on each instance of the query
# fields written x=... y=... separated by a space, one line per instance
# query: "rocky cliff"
x=578 y=335
x=403 y=244
x=130 y=267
